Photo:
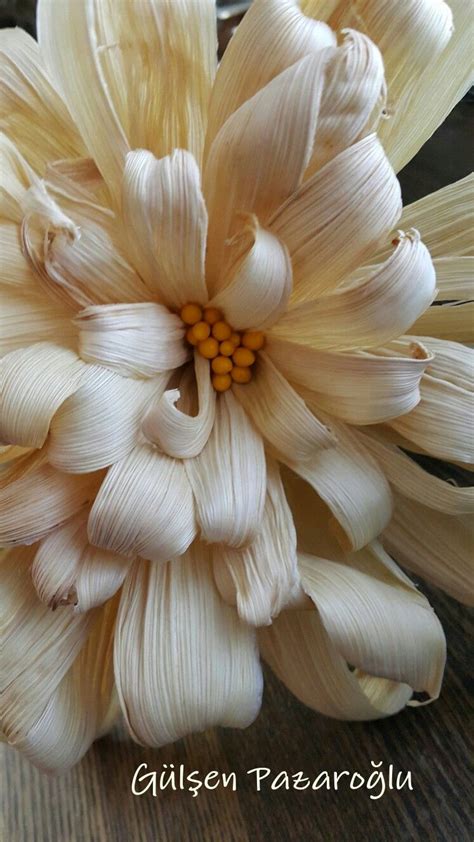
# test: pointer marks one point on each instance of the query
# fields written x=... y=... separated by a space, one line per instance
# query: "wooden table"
x=94 y=803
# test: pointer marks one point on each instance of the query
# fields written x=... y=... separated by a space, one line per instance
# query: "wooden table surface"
x=94 y=803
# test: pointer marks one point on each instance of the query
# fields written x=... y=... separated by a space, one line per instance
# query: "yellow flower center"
x=231 y=353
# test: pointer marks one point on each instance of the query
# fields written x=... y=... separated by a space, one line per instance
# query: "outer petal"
x=259 y=281
x=258 y=158
x=60 y=678
x=281 y=415
x=25 y=320
x=144 y=507
x=34 y=382
x=360 y=388
x=414 y=37
x=264 y=575
x=100 y=423
x=68 y=570
x=166 y=223
x=273 y=35
x=228 y=477
x=377 y=622
x=35 y=499
x=338 y=217
x=452 y=321
x=433 y=545
x=455 y=278
x=441 y=423
x=352 y=485
x=380 y=308
x=195 y=664
x=140 y=340
x=171 y=421
x=352 y=98
x=16 y=271
x=31 y=111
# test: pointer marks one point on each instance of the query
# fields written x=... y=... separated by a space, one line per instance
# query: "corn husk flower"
x=168 y=516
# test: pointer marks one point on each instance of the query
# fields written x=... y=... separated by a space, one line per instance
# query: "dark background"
x=93 y=803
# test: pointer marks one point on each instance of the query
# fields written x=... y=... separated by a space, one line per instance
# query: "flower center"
x=231 y=353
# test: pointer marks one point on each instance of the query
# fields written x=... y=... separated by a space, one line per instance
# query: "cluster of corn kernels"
x=232 y=354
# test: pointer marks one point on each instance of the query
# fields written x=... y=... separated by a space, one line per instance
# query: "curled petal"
x=67 y=570
x=259 y=284
x=281 y=415
x=34 y=382
x=60 y=693
x=198 y=664
x=166 y=223
x=338 y=217
x=140 y=340
x=264 y=575
x=100 y=423
x=271 y=37
x=228 y=477
x=35 y=499
x=178 y=432
x=258 y=159
x=433 y=545
x=379 y=308
x=355 y=85
x=352 y=485
x=441 y=423
x=359 y=388
x=144 y=507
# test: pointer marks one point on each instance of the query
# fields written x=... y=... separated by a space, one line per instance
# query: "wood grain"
x=94 y=803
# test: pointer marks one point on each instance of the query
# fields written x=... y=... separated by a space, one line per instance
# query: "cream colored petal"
x=100 y=423
x=372 y=312
x=228 y=477
x=39 y=646
x=352 y=99
x=445 y=219
x=259 y=280
x=34 y=382
x=77 y=251
x=271 y=37
x=281 y=415
x=166 y=221
x=196 y=663
x=414 y=37
x=144 y=507
x=433 y=545
x=67 y=570
x=338 y=217
x=258 y=158
x=31 y=112
x=16 y=272
x=379 y=625
x=16 y=177
x=454 y=278
x=28 y=319
x=453 y=321
x=449 y=72
x=35 y=499
x=60 y=673
x=350 y=482
x=264 y=575
x=300 y=651
x=359 y=387
x=138 y=340
x=409 y=479
x=441 y=423
x=171 y=421
x=452 y=362
x=132 y=75
x=69 y=39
